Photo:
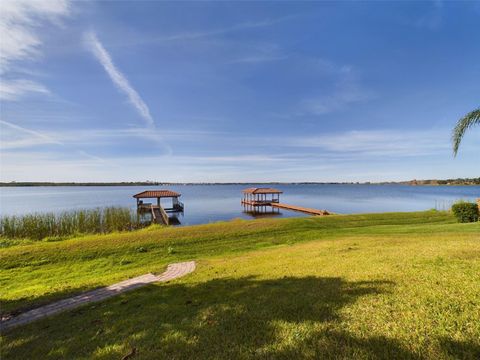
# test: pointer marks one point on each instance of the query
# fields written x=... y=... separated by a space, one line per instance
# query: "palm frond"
x=466 y=122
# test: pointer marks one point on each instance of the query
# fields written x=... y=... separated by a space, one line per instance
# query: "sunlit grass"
x=362 y=286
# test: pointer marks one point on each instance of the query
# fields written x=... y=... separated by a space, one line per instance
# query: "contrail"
x=96 y=47
x=47 y=138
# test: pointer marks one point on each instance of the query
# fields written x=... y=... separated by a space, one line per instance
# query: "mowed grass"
x=37 y=273
x=402 y=285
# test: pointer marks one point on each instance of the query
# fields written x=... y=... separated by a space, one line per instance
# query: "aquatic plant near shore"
x=90 y=221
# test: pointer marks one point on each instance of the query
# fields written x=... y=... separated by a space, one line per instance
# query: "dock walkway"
x=300 y=209
x=279 y=205
x=159 y=215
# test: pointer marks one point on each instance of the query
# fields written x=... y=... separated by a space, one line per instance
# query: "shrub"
x=465 y=211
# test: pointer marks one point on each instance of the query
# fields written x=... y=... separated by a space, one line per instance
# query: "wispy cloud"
x=36 y=138
x=96 y=47
x=17 y=88
x=433 y=19
x=20 y=137
x=335 y=146
x=195 y=34
x=192 y=35
x=347 y=90
x=258 y=58
x=378 y=142
x=20 y=21
x=260 y=53
x=351 y=155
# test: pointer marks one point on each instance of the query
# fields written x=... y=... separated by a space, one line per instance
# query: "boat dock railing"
x=164 y=215
x=159 y=215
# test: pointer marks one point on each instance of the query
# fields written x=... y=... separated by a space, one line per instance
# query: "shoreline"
x=450 y=182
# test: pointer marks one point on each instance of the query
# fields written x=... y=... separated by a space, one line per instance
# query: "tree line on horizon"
x=453 y=181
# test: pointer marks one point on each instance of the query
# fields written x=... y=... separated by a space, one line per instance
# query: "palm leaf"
x=472 y=118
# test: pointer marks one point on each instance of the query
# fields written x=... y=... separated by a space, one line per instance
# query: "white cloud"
x=347 y=90
x=96 y=47
x=15 y=89
x=379 y=142
x=56 y=166
x=258 y=58
x=341 y=146
x=20 y=21
x=132 y=38
x=13 y=138
x=193 y=35
x=351 y=155
x=259 y=53
x=433 y=19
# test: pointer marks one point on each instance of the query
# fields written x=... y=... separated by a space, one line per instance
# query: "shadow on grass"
x=11 y=308
x=461 y=349
x=244 y=318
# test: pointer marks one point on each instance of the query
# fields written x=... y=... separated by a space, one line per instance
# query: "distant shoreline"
x=447 y=182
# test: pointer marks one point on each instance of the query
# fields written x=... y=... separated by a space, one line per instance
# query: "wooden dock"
x=159 y=215
x=275 y=204
x=300 y=209
x=158 y=212
x=254 y=198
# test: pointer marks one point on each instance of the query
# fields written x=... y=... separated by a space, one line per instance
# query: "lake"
x=209 y=203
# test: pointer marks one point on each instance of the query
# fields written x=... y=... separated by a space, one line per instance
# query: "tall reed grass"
x=91 y=221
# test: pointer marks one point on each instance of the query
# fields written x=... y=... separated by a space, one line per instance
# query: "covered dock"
x=158 y=212
x=261 y=196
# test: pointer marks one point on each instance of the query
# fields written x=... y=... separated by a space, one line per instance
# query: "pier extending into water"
x=254 y=198
x=300 y=209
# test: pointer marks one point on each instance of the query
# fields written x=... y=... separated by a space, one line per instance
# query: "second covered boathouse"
x=261 y=196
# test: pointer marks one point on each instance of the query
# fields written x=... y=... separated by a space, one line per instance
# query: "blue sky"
x=237 y=91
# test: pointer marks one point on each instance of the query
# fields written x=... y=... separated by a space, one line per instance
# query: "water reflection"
x=261 y=211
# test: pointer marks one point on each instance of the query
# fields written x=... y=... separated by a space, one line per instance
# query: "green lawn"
x=403 y=285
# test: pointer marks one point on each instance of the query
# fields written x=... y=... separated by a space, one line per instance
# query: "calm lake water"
x=209 y=203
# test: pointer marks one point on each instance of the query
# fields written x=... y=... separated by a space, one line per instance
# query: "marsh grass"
x=66 y=224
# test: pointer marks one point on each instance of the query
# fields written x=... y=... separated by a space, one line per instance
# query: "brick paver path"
x=173 y=271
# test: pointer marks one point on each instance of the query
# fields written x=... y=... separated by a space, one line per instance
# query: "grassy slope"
x=385 y=285
x=37 y=273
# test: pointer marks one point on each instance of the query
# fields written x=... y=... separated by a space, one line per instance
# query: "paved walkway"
x=173 y=271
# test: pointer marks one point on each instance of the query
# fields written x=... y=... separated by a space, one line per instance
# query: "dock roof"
x=262 y=191
x=149 y=194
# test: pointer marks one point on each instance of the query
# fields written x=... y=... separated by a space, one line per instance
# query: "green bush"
x=465 y=211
